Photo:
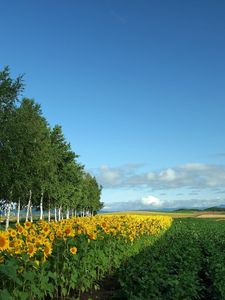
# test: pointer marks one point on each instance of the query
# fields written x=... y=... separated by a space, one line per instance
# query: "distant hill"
x=213 y=208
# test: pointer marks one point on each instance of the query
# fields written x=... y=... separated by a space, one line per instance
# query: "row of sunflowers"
x=54 y=258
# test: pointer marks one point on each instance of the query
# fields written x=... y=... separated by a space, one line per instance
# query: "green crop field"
x=187 y=262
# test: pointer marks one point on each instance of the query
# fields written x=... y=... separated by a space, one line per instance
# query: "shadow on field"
x=177 y=266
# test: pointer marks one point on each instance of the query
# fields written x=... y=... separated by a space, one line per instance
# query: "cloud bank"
x=191 y=175
x=147 y=203
x=195 y=185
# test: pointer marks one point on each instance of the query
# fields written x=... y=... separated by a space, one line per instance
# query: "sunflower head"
x=27 y=225
x=73 y=250
x=4 y=241
x=31 y=250
x=47 y=249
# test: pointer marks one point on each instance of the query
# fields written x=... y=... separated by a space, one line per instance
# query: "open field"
x=212 y=215
x=191 y=214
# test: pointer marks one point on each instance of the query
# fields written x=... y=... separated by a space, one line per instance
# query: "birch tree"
x=10 y=91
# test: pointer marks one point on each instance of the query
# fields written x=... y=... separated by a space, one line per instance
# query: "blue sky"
x=138 y=86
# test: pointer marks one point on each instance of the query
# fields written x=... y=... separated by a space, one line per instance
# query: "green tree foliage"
x=33 y=149
x=66 y=170
x=9 y=93
x=91 y=193
x=37 y=165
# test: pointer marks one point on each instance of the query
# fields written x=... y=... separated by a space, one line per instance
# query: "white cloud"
x=190 y=175
x=167 y=175
x=194 y=167
x=151 y=201
x=109 y=176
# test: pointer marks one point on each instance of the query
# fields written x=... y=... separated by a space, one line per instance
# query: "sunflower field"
x=47 y=260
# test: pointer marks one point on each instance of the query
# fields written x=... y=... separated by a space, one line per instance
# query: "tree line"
x=38 y=168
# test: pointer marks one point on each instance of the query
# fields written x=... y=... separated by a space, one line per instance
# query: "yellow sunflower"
x=73 y=250
x=31 y=250
x=47 y=249
x=4 y=242
x=27 y=225
x=52 y=237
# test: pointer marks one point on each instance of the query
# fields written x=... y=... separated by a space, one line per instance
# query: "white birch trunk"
x=75 y=212
x=41 y=206
x=49 y=213
x=55 y=214
x=59 y=213
x=8 y=215
x=28 y=206
x=67 y=213
x=27 y=213
x=18 y=212
x=31 y=214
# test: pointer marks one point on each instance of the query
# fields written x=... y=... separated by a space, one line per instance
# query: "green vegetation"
x=38 y=167
x=188 y=262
